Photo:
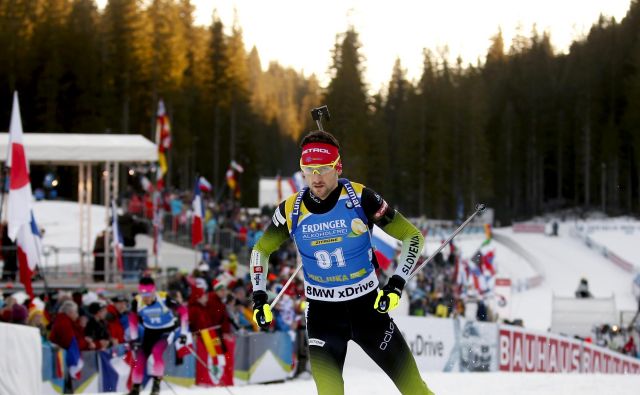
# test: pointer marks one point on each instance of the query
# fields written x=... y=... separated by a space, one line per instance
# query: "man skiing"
x=330 y=222
x=158 y=320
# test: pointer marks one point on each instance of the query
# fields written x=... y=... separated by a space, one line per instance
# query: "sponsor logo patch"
x=326 y=241
x=382 y=210
x=316 y=342
x=257 y=269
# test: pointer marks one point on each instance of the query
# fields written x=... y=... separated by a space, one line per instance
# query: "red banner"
x=524 y=351
x=219 y=369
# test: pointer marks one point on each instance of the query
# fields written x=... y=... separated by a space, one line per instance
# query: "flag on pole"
x=117 y=242
x=205 y=185
x=163 y=140
x=74 y=359
x=236 y=166
x=22 y=225
x=197 y=229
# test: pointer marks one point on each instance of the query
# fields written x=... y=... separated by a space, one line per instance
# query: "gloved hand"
x=261 y=310
x=389 y=296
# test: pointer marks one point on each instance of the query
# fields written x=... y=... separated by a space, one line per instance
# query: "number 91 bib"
x=335 y=248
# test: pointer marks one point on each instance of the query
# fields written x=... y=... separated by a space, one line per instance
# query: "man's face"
x=321 y=185
x=121 y=306
x=148 y=298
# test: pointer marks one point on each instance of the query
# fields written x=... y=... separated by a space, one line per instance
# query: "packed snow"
x=361 y=382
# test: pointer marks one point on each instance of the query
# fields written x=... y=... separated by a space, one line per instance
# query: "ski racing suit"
x=333 y=239
x=157 y=321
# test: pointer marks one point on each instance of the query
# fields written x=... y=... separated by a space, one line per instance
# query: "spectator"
x=66 y=326
x=10 y=267
x=199 y=315
x=116 y=318
x=96 y=328
x=583 y=289
x=216 y=305
x=37 y=320
x=98 y=257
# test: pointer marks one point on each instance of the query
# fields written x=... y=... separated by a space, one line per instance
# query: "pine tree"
x=347 y=100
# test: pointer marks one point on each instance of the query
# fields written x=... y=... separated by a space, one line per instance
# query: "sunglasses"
x=318 y=169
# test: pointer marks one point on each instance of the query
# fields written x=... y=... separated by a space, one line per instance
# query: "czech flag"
x=197 y=229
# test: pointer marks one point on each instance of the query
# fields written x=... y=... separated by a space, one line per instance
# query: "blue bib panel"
x=157 y=315
x=335 y=248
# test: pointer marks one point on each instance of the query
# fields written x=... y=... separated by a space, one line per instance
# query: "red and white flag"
x=22 y=226
x=205 y=185
x=118 y=244
x=197 y=224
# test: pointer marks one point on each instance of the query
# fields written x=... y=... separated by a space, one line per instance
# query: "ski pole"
x=480 y=207
x=384 y=301
x=279 y=295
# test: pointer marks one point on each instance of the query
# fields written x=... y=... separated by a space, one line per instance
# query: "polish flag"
x=22 y=226
x=205 y=185
x=117 y=237
x=197 y=230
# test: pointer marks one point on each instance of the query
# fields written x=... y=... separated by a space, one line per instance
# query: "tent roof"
x=73 y=148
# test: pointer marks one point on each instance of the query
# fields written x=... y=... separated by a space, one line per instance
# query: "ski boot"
x=155 y=388
x=135 y=390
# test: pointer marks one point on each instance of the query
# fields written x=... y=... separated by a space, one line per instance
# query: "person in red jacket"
x=66 y=327
x=115 y=312
x=217 y=307
x=199 y=316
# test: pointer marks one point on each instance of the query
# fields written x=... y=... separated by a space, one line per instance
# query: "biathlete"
x=330 y=222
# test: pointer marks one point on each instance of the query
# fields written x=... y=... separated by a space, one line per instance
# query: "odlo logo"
x=387 y=336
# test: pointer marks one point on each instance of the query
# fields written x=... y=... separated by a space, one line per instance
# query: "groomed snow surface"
x=363 y=382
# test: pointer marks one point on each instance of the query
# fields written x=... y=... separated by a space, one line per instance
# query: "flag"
x=217 y=367
x=146 y=184
x=22 y=226
x=158 y=224
x=163 y=140
x=29 y=253
x=236 y=166
x=211 y=342
x=59 y=363
x=232 y=183
x=205 y=185
x=117 y=242
x=74 y=359
x=197 y=224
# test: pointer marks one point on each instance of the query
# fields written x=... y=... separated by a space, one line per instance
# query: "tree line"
x=525 y=129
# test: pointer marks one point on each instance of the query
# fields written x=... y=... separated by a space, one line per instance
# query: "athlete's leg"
x=328 y=335
x=157 y=370
x=139 y=363
x=381 y=339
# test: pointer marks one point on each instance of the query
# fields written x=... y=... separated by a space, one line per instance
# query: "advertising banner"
x=601 y=360
x=441 y=345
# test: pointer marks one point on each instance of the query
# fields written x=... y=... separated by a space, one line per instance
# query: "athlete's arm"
x=412 y=243
x=277 y=232
x=395 y=224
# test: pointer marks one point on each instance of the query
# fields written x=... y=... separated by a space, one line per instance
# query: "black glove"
x=389 y=296
x=261 y=310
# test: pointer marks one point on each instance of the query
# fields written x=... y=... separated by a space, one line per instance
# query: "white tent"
x=85 y=151
x=71 y=148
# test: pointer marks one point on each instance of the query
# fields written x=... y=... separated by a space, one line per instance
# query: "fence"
x=437 y=344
